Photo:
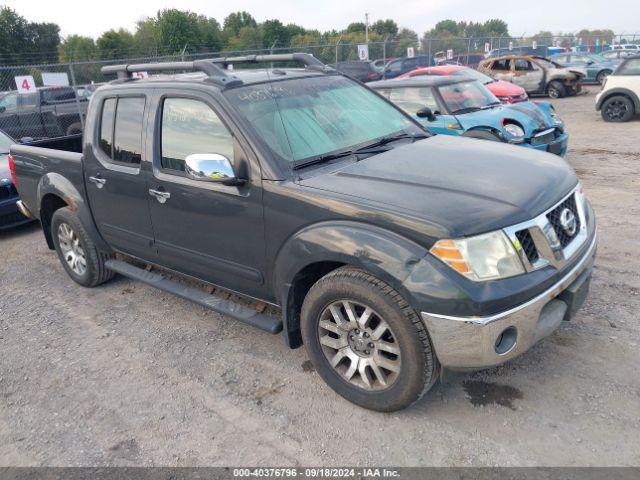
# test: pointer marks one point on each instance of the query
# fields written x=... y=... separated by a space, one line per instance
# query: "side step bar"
x=226 y=307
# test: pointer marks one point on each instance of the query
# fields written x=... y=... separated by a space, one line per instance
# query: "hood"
x=568 y=72
x=501 y=88
x=5 y=173
x=528 y=114
x=464 y=186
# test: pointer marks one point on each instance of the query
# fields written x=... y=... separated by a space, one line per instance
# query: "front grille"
x=8 y=191
x=554 y=219
x=548 y=137
x=528 y=246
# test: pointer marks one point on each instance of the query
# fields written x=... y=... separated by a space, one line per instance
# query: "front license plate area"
x=575 y=294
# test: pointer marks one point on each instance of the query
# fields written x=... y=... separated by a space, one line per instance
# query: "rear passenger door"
x=115 y=174
x=208 y=230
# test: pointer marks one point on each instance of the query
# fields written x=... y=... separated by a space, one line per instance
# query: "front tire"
x=80 y=257
x=366 y=342
x=556 y=89
x=617 y=108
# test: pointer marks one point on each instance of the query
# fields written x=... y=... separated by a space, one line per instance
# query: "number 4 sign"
x=25 y=84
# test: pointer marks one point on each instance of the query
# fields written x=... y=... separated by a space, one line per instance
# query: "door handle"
x=160 y=196
x=98 y=181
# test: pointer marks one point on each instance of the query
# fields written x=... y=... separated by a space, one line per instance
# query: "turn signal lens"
x=12 y=170
x=489 y=256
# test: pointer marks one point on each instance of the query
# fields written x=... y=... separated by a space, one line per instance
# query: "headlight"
x=484 y=257
x=514 y=130
x=555 y=116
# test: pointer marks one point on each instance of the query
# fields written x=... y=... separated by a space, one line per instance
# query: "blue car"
x=9 y=213
x=595 y=66
x=465 y=107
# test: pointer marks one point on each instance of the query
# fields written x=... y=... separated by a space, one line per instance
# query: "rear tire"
x=556 y=89
x=80 y=257
x=366 y=342
x=617 y=108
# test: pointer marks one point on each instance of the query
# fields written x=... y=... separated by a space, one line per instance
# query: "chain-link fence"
x=50 y=100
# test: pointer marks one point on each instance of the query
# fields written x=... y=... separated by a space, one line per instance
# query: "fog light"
x=506 y=341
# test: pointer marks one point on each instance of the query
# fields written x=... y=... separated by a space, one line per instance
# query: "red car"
x=506 y=92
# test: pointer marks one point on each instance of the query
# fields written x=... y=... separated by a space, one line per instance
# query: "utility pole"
x=366 y=28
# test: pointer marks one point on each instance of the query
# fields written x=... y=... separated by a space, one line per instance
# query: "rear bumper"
x=481 y=342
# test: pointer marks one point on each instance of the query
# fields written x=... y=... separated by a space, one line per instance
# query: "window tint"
x=58 y=94
x=412 y=99
x=188 y=127
x=630 y=67
x=128 y=130
x=106 y=126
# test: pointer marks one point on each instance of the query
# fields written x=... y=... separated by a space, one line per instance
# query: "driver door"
x=205 y=229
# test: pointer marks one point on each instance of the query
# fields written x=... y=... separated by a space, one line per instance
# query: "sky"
x=92 y=18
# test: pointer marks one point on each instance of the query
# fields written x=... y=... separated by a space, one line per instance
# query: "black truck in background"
x=48 y=112
x=390 y=253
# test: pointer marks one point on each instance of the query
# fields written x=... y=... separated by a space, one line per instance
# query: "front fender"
x=382 y=253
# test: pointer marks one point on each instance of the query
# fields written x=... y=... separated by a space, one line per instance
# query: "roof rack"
x=214 y=68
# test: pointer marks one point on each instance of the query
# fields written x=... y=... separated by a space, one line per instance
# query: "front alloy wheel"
x=359 y=345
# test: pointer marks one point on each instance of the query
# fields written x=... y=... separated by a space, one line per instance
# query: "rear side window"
x=106 y=126
x=630 y=67
x=121 y=129
x=60 y=94
x=188 y=127
x=502 y=65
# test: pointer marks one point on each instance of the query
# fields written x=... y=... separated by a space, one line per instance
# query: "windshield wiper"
x=324 y=158
x=466 y=110
x=391 y=138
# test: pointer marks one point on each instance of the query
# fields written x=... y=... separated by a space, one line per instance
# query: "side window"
x=410 y=63
x=9 y=102
x=502 y=65
x=127 y=138
x=395 y=66
x=522 y=65
x=630 y=67
x=106 y=126
x=412 y=99
x=188 y=127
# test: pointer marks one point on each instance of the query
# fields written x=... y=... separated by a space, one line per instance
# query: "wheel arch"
x=620 y=91
x=319 y=249
x=56 y=191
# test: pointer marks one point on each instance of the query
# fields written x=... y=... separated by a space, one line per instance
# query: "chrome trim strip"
x=24 y=210
x=492 y=318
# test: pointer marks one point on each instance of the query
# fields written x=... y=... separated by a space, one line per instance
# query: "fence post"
x=468 y=51
x=75 y=89
x=384 y=58
x=429 y=58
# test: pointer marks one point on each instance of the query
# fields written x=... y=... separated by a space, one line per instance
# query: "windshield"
x=5 y=142
x=474 y=74
x=465 y=97
x=302 y=119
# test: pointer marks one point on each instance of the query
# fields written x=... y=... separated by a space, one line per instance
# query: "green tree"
x=356 y=27
x=24 y=42
x=115 y=44
x=234 y=22
x=274 y=32
x=385 y=27
x=77 y=48
x=146 y=37
x=177 y=30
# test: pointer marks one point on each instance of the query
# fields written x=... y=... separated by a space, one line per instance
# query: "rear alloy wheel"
x=556 y=89
x=366 y=342
x=617 y=109
x=79 y=256
x=602 y=76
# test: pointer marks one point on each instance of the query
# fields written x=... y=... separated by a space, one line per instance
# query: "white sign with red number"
x=534 y=44
x=410 y=52
x=25 y=84
x=449 y=54
x=140 y=74
x=510 y=45
x=363 y=52
x=487 y=47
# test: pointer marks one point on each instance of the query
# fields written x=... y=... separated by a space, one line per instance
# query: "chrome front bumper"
x=474 y=342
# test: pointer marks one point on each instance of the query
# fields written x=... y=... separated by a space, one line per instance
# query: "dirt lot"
x=127 y=375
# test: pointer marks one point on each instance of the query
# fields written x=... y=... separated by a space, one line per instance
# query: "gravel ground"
x=127 y=375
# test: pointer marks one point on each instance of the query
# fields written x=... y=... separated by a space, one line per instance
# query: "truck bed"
x=37 y=163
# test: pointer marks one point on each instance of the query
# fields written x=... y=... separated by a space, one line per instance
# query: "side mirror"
x=426 y=113
x=211 y=167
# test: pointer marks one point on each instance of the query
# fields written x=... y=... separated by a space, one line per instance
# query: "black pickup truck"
x=390 y=253
x=48 y=112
